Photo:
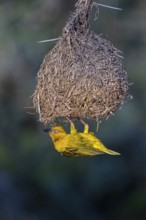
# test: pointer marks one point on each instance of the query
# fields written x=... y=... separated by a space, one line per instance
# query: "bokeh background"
x=36 y=183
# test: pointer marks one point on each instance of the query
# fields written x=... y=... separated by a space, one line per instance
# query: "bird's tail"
x=111 y=152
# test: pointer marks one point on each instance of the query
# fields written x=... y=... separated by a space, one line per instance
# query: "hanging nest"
x=82 y=76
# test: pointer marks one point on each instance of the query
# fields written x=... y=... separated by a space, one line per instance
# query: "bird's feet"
x=72 y=126
x=86 y=126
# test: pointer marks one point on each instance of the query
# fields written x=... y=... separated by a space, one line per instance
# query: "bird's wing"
x=81 y=145
x=80 y=152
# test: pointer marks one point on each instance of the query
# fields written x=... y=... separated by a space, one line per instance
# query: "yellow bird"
x=77 y=144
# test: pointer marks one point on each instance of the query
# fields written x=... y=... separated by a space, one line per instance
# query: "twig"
x=49 y=40
x=108 y=6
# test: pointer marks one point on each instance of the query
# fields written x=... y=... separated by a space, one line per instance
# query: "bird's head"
x=56 y=132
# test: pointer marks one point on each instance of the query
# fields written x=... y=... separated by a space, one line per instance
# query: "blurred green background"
x=36 y=183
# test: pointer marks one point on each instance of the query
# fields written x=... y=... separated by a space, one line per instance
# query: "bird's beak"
x=47 y=130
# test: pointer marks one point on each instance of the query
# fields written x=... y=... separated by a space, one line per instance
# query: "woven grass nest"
x=82 y=76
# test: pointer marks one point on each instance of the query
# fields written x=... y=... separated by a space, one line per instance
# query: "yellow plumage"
x=77 y=144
